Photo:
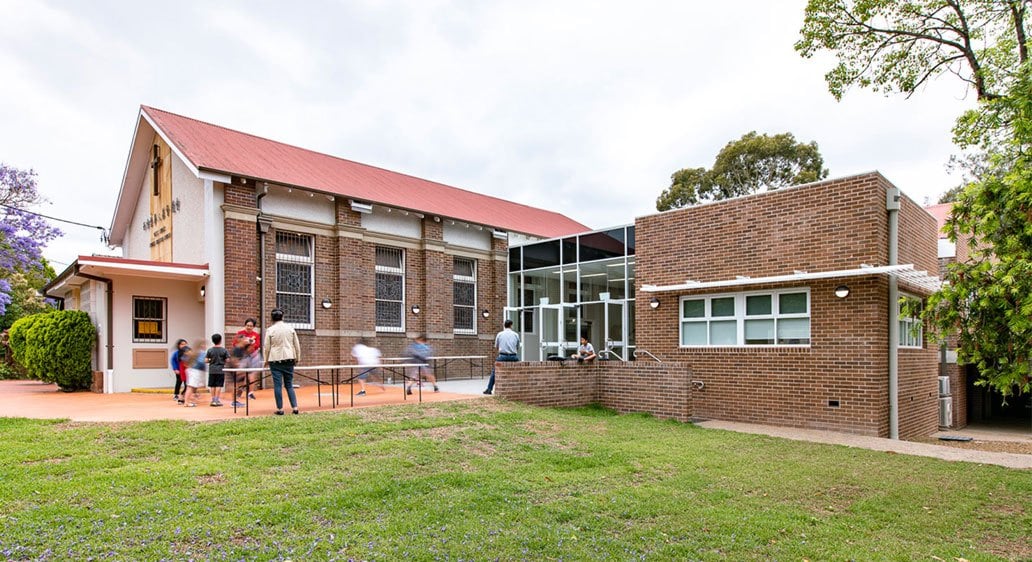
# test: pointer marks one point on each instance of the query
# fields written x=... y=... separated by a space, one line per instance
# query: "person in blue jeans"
x=282 y=352
x=507 y=342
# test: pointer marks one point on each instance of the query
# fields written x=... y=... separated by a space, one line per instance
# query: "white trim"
x=172 y=270
x=171 y=145
x=469 y=280
x=741 y=317
x=214 y=176
x=390 y=270
x=904 y=271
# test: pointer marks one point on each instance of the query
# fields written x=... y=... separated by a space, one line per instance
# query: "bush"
x=55 y=347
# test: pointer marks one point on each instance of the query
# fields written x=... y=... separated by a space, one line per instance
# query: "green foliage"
x=744 y=166
x=25 y=297
x=898 y=45
x=55 y=347
x=988 y=299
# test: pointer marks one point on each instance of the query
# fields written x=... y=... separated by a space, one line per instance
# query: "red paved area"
x=32 y=399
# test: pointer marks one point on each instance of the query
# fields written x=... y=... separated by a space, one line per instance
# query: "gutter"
x=262 y=227
x=892 y=198
x=110 y=313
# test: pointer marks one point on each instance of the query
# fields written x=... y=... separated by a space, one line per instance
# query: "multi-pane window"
x=390 y=290
x=769 y=318
x=911 y=328
x=295 y=278
x=149 y=320
x=464 y=283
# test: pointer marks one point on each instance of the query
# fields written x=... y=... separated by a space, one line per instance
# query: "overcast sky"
x=582 y=107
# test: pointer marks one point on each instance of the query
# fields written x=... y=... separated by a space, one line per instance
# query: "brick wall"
x=840 y=381
x=345 y=273
x=663 y=390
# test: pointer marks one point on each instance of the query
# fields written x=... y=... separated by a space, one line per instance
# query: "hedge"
x=55 y=347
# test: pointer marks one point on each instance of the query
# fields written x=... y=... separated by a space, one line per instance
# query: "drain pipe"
x=262 y=227
x=110 y=314
x=892 y=206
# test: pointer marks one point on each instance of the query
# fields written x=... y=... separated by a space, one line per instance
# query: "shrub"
x=56 y=347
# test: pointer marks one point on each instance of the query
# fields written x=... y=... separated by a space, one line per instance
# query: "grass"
x=486 y=480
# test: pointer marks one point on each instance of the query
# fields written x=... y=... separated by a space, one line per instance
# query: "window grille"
x=295 y=278
x=390 y=290
x=464 y=298
x=149 y=320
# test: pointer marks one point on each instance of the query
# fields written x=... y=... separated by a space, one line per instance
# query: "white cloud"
x=582 y=107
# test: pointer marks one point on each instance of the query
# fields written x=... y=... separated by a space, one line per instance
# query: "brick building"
x=217 y=226
x=775 y=308
x=782 y=305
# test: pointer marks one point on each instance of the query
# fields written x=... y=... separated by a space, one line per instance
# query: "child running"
x=194 y=359
x=366 y=356
x=419 y=352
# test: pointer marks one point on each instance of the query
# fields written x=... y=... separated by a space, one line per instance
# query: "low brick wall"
x=660 y=389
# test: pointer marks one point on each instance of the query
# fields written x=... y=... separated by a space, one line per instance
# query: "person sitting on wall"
x=585 y=352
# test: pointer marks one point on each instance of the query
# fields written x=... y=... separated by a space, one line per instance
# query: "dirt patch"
x=1018 y=447
x=834 y=500
x=207 y=479
x=57 y=460
x=1012 y=549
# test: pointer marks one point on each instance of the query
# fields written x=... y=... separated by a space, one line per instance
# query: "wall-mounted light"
x=327 y=303
x=842 y=291
x=202 y=291
x=486 y=313
x=415 y=309
x=654 y=303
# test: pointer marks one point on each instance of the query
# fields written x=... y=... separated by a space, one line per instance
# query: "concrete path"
x=1009 y=460
x=33 y=399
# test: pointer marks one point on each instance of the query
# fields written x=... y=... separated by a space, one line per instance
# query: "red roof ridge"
x=266 y=139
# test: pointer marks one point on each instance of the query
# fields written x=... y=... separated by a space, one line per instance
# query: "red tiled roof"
x=218 y=149
x=941 y=212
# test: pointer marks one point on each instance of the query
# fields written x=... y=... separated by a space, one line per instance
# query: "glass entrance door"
x=615 y=335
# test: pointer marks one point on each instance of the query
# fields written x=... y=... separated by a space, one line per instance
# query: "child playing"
x=194 y=359
x=366 y=356
x=173 y=361
x=419 y=352
x=216 y=359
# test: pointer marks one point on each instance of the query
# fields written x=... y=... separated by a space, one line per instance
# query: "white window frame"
x=911 y=329
x=399 y=272
x=163 y=320
x=740 y=317
x=469 y=280
x=297 y=259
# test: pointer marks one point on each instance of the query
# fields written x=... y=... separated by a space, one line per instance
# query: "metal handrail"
x=611 y=352
x=644 y=352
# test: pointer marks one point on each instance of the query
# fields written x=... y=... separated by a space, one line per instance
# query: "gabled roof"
x=941 y=212
x=218 y=150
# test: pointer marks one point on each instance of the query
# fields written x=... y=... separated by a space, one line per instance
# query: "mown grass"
x=486 y=480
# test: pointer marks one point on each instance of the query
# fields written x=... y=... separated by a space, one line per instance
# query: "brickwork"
x=839 y=381
x=663 y=390
x=345 y=273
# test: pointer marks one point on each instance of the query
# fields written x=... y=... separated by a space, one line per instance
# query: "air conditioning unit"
x=946 y=412
x=944 y=386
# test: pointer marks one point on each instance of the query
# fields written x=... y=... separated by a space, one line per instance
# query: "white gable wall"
x=298 y=204
x=188 y=225
x=467 y=237
x=395 y=222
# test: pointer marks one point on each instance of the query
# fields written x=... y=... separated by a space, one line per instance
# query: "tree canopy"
x=897 y=46
x=23 y=234
x=744 y=166
x=987 y=299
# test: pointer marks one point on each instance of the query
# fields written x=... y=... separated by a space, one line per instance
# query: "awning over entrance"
x=904 y=272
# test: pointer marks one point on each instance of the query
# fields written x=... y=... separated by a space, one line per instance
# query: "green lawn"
x=486 y=480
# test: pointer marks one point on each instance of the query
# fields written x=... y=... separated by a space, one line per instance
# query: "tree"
x=23 y=235
x=744 y=166
x=898 y=45
x=987 y=300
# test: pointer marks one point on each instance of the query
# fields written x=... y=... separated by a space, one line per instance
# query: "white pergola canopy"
x=903 y=272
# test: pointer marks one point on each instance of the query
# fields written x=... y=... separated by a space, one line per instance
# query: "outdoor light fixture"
x=327 y=303
x=202 y=291
x=485 y=313
x=415 y=309
x=654 y=303
x=842 y=291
